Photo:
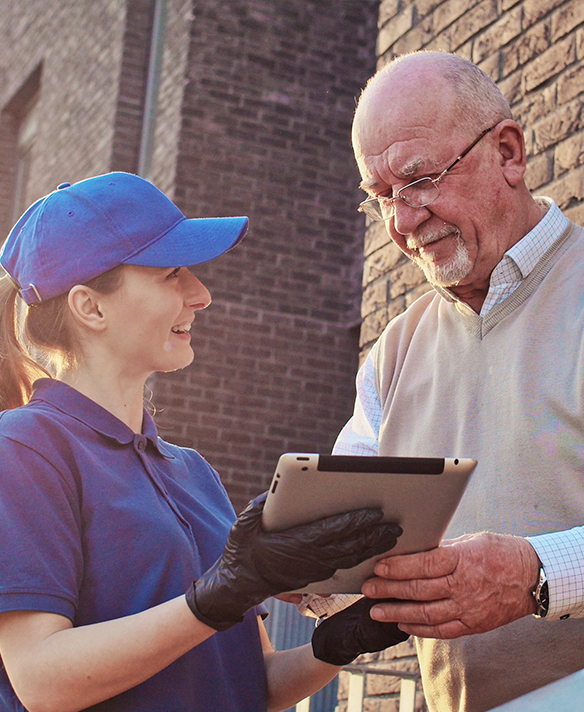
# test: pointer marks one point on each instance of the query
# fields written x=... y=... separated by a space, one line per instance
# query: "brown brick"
x=387 y=10
x=373 y=325
x=424 y=7
x=569 y=189
x=490 y=65
x=571 y=84
x=550 y=63
x=404 y=278
x=566 y=18
x=558 y=126
x=497 y=35
x=536 y=106
x=530 y=44
x=528 y=134
x=508 y=4
x=442 y=42
x=539 y=170
x=374 y=297
x=381 y=261
x=382 y=685
x=534 y=10
x=511 y=87
x=576 y=214
x=375 y=237
x=465 y=50
x=569 y=154
x=419 y=36
x=580 y=44
x=472 y=21
x=393 y=29
x=448 y=12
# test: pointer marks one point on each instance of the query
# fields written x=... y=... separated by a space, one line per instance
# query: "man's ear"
x=511 y=151
x=84 y=305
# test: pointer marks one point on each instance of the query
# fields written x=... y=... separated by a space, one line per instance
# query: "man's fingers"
x=432 y=613
x=431 y=589
x=427 y=564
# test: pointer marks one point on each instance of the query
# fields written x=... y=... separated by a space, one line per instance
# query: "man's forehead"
x=407 y=128
x=421 y=154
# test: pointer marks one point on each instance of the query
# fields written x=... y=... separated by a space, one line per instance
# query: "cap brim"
x=191 y=242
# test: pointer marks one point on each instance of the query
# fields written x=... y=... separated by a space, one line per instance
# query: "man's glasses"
x=418 y=194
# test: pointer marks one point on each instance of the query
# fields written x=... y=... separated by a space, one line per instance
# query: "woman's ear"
x=84 y=305
x=511 y=151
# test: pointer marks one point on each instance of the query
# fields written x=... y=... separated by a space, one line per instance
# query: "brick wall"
x=269 y=99
x=534 y=50
x=254 y=108
x=132 y=86
x=79 y=47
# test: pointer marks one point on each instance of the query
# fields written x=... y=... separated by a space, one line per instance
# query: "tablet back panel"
x=420 y=494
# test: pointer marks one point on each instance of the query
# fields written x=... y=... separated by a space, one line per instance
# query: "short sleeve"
x=41 y=561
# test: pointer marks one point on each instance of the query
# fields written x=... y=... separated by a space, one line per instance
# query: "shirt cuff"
x=562 y=557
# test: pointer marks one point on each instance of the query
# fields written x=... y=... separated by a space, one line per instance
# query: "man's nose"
x=407 y=219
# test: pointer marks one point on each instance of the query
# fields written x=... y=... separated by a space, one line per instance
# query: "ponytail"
x=18 y=370
x=47 y=328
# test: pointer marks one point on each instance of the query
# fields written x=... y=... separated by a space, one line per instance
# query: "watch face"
x=541 y=595
x=544 y=599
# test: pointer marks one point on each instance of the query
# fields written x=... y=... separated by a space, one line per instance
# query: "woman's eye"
x=174 y=273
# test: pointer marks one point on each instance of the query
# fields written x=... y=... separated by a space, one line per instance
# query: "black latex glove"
x=338 y=640
x=257 y=564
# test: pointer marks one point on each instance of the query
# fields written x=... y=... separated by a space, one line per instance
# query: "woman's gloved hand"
x=257 y=564
x=338 y=640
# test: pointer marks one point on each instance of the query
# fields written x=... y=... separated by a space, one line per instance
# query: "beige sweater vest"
x=508 y=390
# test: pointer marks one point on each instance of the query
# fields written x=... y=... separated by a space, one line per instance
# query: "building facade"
x=238 y=108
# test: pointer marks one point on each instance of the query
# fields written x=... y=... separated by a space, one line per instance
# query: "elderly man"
x=489 y=365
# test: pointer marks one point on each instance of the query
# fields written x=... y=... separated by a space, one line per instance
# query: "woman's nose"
x=197 y=296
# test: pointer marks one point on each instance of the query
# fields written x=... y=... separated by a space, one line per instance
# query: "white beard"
x=450 y=273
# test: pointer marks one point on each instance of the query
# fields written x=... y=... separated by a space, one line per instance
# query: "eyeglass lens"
x=417 y=195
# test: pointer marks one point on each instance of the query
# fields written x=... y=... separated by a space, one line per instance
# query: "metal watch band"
x=541 y=595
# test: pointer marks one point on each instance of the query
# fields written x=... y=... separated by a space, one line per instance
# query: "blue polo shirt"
x=97 y=523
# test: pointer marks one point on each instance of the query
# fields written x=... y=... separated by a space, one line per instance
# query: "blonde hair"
x=38 y=341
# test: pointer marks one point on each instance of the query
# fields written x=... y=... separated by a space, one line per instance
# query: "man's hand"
x=467 y=585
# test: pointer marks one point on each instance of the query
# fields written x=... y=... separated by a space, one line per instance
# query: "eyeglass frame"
x=434 y=181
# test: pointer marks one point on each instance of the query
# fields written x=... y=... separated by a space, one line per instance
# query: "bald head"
x=414 y=86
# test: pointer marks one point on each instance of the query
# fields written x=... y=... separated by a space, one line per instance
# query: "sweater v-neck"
x=480 y=326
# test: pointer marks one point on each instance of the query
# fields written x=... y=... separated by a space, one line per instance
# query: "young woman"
x=104 y=526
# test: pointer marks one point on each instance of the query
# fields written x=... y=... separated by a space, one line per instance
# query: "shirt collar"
x=526 y=253
x=530 y=249
x=76 y=405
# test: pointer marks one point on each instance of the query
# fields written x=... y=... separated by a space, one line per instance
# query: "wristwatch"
x=541 y=595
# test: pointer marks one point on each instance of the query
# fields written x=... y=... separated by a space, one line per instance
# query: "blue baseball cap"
x=80 y=231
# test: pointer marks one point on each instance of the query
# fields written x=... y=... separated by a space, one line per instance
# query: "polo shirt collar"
x=76 y=405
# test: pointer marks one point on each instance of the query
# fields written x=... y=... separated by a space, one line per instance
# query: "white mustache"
x=414 y=243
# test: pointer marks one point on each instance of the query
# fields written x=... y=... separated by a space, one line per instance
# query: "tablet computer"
x=419 y=493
